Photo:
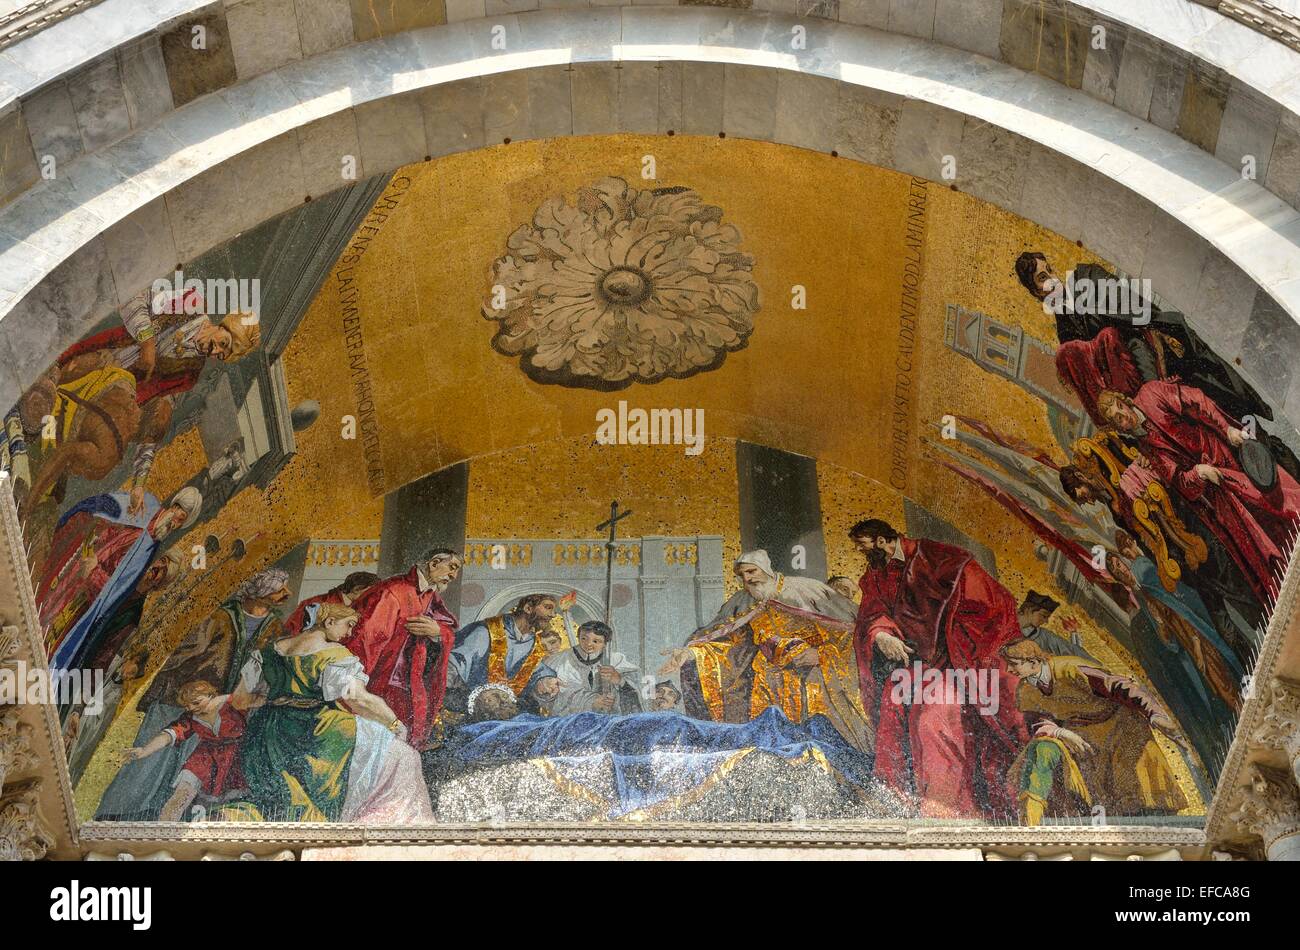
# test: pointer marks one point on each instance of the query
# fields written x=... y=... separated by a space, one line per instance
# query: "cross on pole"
x=615 y=516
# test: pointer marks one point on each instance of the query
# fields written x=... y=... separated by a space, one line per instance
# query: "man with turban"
x=779 y=641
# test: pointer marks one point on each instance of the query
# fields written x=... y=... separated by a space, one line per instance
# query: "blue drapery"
x=656 y=757
x=112 y=507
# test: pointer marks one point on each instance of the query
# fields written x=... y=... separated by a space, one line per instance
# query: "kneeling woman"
x=323 y=748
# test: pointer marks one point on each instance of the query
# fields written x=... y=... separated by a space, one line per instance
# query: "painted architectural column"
x=710 y=584
x=1270 y=809
x=780 y=508
x=427 y=513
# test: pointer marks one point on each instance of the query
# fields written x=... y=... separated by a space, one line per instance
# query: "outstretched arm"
x=1131 y=693
x=156 y=744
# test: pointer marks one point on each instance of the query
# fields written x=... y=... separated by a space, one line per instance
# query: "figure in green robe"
x=322 y=747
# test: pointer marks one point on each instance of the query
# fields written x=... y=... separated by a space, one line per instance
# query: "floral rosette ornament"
x=623 y=286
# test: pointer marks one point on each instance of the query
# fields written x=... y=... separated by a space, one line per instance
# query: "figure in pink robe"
x=1192 y=446
x=1089 y=367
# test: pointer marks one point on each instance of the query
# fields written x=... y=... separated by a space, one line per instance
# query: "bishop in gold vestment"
x=782 y=641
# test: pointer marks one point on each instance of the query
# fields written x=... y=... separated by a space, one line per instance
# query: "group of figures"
x=1181 y=457
x=365 y=700
x=1175 y=511
x=927 y=685
x=116 y=391
x=322 y=716
x=108 y=401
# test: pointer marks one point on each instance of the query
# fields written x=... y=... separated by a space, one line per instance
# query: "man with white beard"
x=762 y=583
x=780 y=641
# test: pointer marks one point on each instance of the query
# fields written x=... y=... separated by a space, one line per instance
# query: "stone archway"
x=228 y=160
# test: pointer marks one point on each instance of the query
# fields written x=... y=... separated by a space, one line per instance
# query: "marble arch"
x=1227 y=248
x=209 y=161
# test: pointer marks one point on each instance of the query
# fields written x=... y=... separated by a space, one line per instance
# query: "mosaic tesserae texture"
x=768 y=487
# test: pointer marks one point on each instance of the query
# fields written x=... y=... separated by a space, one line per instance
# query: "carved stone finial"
x=1279 y=727
x=15 y=745
x=22 y=834
x=1270 y=809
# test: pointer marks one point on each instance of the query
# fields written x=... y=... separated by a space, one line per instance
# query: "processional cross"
x=615 y=516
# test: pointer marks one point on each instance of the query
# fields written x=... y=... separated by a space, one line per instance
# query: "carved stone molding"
x=1262 y=17
x=1270 y=809
x=1275 y=664
x=1027 y=856
x=128 y=856
x=1279 y=726
x=34 y=17
x=1227 y=856
x=23 y=836
x=234 y=838
x=1167 y=854
x=15 y=745
x=8 y=645
x=285 y=855
x=42 y=764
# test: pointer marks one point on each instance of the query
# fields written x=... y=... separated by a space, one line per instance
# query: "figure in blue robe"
x=112 y=507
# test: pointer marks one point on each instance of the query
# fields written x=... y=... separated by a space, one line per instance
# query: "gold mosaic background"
x=562 y=489
x=816 y=382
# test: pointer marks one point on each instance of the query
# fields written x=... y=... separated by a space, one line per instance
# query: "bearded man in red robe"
x=403 y=637
x=1192 y=446
x=928 y=606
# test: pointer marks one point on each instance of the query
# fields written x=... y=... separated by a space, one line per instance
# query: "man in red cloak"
x=1192 y=447
x=1089 y=367
x=931 y=603
x=403 y=638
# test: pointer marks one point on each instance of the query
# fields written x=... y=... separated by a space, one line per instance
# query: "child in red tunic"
x=212 y=771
